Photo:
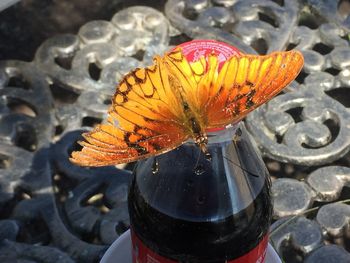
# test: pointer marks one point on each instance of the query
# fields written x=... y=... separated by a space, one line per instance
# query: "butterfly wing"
x=247 y=81
x=194 y=79
x=146 y=118
x=147 y=115
x=243 y=83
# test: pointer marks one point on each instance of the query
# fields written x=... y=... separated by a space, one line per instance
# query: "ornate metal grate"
x=53 y=211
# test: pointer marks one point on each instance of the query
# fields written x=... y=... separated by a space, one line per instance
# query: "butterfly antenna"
x=249 y=172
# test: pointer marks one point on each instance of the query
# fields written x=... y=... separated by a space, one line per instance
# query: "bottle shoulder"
x=187 y=186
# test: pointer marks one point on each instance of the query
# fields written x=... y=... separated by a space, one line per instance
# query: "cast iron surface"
x=53 y=211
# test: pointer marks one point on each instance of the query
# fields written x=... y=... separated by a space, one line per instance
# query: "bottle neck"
x=223 y=135
x=218 y=136
x=186 y=181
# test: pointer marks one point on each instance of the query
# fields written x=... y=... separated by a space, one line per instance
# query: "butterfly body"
x=197 y=132
x=158 y=108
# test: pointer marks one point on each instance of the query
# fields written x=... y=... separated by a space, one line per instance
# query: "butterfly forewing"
x=188 y=77
x=146 y=118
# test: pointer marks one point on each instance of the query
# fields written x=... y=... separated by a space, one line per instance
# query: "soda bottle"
x=186 y=208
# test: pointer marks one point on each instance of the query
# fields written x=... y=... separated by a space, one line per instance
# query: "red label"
x=142 y=254
x=195 y=49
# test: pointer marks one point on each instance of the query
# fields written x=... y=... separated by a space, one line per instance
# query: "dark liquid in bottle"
x=201 y=211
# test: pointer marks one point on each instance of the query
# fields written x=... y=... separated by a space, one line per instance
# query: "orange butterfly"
x=156 y=109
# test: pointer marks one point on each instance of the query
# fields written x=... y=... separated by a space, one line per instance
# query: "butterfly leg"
x=206 y=152
x=201 y=140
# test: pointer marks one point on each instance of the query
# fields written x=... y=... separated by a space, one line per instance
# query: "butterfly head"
x=201 y=139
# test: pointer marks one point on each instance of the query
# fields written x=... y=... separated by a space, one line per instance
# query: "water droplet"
x=189 y=183
x=199 y=169
x=155 y=166
x=201 y=200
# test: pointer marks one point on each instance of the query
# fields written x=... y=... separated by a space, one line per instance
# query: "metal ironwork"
x=54 y=211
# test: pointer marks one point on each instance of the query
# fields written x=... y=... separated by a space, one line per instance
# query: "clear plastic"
x=190 y=209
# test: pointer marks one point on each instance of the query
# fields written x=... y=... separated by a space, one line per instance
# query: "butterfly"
x=157 y=108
